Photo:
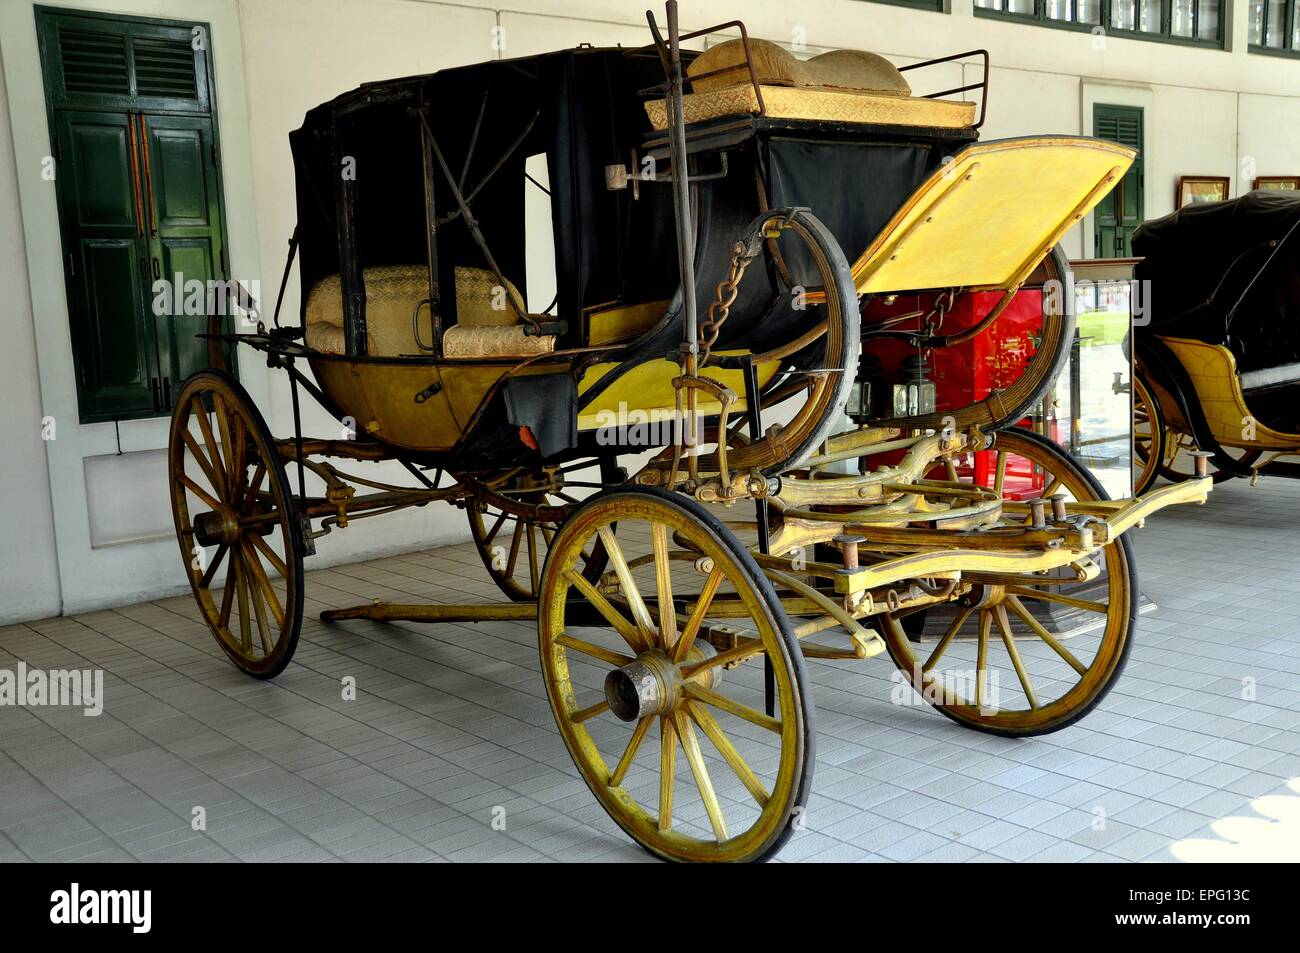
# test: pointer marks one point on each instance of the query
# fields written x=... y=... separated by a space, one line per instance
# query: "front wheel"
x=1026 y=655
x=235 y=521
x=662 y=658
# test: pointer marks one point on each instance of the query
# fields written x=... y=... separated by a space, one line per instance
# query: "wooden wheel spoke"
x=256 y=596
x=210 y=573
x=667 y=770
x=533 y=570
x=1037 y=628
x=255 y=484
x=696 y=618
x=695 y=758
x=629 y=753
x=664 y=586
x=185 y=481
x=1031 y=593
x=640 y=614
x=982 y=657
x=633 y=636
x=496 y=527
x=1009 y=640
x=245 y=622
x=210 y=440
x=717 y=700
x=228 y=593
x=713 y=731
x=957 y=623
x=515 y=540
x=227 y=443
x=263 y=583
x=200 y=458
x=590 y=712
x=594 y=650
x=271 y=555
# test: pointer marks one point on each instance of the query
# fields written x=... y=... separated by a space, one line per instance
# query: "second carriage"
x=689 y=497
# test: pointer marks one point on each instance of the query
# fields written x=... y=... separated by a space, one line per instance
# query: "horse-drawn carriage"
x=1218 y=364
x=689 y=498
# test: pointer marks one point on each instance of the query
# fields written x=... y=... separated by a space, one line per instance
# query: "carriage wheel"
x=1148 y=436
x=1004 y=670
x=235 y=522
x=635 y=691
x=513 y=528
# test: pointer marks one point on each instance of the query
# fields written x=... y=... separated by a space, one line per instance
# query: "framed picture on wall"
x=1278 y=183
x=1195 y=189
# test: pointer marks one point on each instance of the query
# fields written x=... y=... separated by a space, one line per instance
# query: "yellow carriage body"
x=1212 y=369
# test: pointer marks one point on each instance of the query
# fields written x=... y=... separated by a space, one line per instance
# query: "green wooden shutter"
x=131 y=114
x=1120 y=212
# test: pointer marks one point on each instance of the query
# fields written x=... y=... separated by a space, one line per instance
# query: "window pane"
x=1295 y=32
x=1150 y=16
x=1123 y=14
x=1276 y=24
x=1180 y=22
x=1088 y=11
x=989 y=4
x=1025 y=7
x=1058 y=9
x=1208 y=26
x=1256 y=22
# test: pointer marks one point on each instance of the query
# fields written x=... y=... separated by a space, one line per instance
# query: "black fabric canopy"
x=1227 y=273
x=577 y=107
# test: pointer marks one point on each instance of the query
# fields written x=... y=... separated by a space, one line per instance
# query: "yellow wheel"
x=1148 y=436
x=663 y=711
x=239 y=535
x=1026 y=656
x=512 y=520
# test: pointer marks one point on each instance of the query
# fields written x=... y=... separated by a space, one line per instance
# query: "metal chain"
x=724 y=297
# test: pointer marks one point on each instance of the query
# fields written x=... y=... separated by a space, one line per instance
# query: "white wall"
x=29 y=578
x=1207 y=112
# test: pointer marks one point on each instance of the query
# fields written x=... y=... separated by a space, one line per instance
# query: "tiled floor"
x=1195 y=754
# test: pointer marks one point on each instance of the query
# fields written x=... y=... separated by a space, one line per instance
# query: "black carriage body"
x=372 y=191
x=1226 y=273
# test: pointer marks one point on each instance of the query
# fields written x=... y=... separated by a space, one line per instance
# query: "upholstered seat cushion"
x=838 y=105
x=495 y=341
x=481 y=299
x=392 y=292
x=858 y=69
x=840 y=86
x=1267 y=378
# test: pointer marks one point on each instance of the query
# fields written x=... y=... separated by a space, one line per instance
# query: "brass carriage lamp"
x=915 y=394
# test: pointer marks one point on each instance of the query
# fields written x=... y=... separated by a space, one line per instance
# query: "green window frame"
x=1192 y=22
x=1273 y=27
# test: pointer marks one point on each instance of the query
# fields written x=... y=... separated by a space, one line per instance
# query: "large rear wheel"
x=1026 y=655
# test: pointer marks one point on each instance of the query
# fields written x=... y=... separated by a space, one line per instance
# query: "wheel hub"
x=653 y=684
x=216 y=527
x=983 y=595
